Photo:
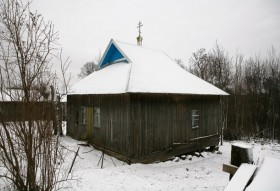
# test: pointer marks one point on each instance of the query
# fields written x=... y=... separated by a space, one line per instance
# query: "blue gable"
x=113 y=55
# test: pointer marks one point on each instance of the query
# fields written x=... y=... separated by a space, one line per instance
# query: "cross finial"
x=139 y=38
x=139 y=27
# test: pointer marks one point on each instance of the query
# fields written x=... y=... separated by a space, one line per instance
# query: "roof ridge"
x=119 y=41
x=135 y=45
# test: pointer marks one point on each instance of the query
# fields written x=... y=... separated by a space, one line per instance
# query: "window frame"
x=195 y=118
x=97 y=117
x=83 y=115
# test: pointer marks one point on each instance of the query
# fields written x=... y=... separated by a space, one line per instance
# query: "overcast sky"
x=178 y=27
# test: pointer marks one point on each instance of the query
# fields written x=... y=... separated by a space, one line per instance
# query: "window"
x=195 y=119
x=83 y=115
x=96 y=117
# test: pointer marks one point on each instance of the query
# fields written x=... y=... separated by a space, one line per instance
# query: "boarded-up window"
x=195 y=119
x=83 y=115
x=96 y=117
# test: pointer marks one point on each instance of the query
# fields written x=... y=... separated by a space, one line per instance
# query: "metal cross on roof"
x=139 y=27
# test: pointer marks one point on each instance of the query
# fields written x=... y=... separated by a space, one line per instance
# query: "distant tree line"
x=87 y=69
x=90 y=67
x=253 y=107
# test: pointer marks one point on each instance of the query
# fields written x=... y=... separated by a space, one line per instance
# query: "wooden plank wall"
x=160 y=121
x=114 y=131
x=21 y=111
x=138 y=124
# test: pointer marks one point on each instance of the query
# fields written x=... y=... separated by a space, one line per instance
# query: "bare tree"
x=180 y=63
x=254 y=89
x=90 y=67
x=220 y=68
x=31 y=158
x=200 y=65
x=215 y=68
x=272 y=90
x=87 y=69
x=255 y=71
x=59 y=107
x=65 y=77
x=237 y=90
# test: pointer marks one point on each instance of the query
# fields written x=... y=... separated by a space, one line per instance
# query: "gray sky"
x=178 y=27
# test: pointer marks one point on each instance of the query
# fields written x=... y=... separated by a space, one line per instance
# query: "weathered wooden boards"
x=231 y=169
x=241 y=177
x=264 y=176
x=241 y=154
x=241 y=169
x=144 y=127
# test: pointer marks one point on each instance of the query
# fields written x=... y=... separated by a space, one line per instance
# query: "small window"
x=195 y=119
x=96 y=117
x=83 y=115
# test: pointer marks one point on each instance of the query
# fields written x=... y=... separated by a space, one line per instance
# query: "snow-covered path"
x=196 y=174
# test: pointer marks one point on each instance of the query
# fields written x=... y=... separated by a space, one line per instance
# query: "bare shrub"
x=31 y=157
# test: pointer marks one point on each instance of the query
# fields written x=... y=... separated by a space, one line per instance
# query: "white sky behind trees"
x=178 y=27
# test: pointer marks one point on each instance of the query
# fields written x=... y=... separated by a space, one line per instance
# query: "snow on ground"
x=200 y=173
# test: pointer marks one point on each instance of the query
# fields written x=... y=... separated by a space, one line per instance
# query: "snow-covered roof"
x=127 y=68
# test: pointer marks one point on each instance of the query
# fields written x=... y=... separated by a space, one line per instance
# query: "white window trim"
x=83 y=115
x=97 y=117
x=195 y=118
